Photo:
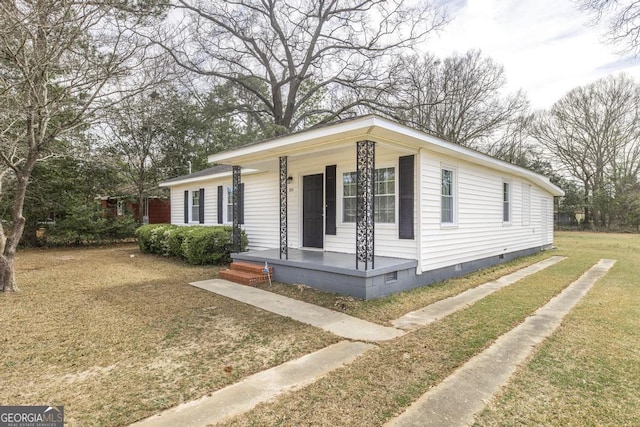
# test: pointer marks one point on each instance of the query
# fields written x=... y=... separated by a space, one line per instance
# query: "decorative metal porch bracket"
x=365 y=199
x=236 y=208
x=284 y=228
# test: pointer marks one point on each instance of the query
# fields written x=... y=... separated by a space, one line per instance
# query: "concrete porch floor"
x=336 y=262
x=336 y=272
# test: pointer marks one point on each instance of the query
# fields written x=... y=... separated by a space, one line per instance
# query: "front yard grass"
x=588 y=373
x=115 y=336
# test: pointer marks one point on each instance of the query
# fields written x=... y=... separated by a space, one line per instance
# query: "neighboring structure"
x=157 y=209
x=369 y=207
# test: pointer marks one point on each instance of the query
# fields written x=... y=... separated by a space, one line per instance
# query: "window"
x=229 y=204
x=349 y=185
x=385 y=196
x=195 y=206
x=448 y=202
x=120 y=207
x=506 y=202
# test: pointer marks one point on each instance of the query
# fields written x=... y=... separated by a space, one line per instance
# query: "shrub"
x=120 y=227
x=195 y=244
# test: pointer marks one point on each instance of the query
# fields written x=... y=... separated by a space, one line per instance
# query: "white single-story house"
x=368 y=206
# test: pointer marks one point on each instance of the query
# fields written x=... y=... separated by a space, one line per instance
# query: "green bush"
x=84 y=224
x=195 y=244
x=120 y=227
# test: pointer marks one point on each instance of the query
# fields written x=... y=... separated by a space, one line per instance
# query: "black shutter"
x=220 y=207
x=406 y=166
x=201 y=207
x=186 y=206
x=330 y=196
x=241 y=203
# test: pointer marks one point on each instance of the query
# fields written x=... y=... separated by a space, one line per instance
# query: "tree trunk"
x=7 y=275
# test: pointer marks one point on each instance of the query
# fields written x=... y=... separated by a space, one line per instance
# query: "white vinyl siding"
x=479 y=231
x=526 y=203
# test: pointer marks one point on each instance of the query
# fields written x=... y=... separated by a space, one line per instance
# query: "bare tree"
x=57 y=59
x=622 y=17
x=459 y=98
x=593 y=132
x=287 y=52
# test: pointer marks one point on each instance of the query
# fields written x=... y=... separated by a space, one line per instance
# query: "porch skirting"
x=335 y=272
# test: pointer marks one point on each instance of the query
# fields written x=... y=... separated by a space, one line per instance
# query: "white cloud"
x=546 y=46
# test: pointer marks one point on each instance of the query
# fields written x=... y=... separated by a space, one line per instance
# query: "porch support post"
x=365 y=199
x=236 y=208
x=284 y=227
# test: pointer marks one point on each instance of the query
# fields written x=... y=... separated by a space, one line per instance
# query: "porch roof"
x=374 y=128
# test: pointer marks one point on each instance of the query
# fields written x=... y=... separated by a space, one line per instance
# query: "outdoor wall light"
x=290 y=180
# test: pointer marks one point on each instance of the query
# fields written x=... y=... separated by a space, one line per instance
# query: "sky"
x=547 y=47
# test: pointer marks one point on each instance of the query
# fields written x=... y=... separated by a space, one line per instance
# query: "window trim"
x=191 y=206
x=455 y=195
x=340 y=190
x=508 y=204
x=225 y=203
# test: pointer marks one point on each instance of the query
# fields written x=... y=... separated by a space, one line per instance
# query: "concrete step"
x=249 y=267
x=243 y=277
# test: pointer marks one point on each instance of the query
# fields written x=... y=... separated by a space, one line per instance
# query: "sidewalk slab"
x=243 y=396
x=337 y=323
x=447 y=306
x=456 y=400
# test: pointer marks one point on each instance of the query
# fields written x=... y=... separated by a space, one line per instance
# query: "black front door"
x=312 y=211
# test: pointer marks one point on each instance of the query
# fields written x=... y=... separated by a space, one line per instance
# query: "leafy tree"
x=57 y=60
x=283 y=53
x=60 y=184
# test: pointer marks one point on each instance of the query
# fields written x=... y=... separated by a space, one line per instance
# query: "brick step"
x=249 y=267
x=243 y=277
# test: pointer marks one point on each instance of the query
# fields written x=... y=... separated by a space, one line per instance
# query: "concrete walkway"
x=337 y=323
x=450 y=305
x=261 y=387
x=456 y=400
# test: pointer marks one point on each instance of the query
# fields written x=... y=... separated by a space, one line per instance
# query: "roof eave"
x=372 y=126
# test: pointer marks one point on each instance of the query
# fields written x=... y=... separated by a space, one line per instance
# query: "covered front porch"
x=336 y=271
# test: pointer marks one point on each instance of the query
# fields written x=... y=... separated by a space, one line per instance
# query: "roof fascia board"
x=282 y=143
x=188 y=180
x=370 y=126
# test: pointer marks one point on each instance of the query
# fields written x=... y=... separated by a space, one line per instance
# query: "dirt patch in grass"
x=115 y=335
x=384 y=310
